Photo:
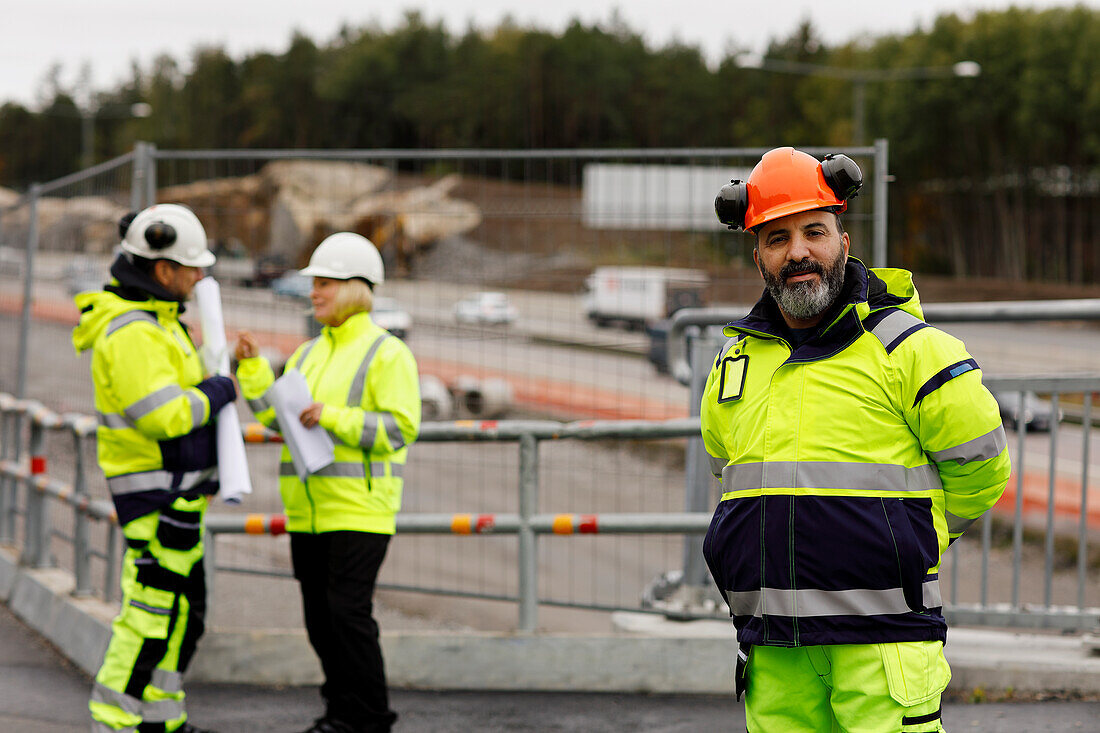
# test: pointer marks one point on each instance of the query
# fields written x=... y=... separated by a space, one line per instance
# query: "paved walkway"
x=40 y=692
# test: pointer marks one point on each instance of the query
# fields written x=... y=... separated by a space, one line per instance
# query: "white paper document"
x=232 y=461
x=311 y=449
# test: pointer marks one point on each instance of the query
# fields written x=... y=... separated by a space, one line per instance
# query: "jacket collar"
x=838 y=328
x=356 y=326
x=130 y=283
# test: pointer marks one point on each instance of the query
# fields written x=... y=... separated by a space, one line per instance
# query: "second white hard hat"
x=345 y=255
x=168 y=232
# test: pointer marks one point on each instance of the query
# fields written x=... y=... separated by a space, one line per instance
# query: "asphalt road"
x=40 y=692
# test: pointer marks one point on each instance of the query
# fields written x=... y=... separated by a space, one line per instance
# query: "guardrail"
x=23 y=464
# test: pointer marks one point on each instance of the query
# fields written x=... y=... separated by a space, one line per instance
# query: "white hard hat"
x=168 y=232
x=345 y=255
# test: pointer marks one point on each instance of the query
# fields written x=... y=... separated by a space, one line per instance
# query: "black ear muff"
x=732 y=203
x=124 y=224
x=160 y=235
x=842 y=175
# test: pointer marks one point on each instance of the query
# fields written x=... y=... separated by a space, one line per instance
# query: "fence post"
x=37 y=534
x=1083 y=525
x=882 y=178
x=150 y=174
x=1048 y=565
x=8 y=436
x=81 y=544
x=701 y=351
x=28 y=291
x=1018 y=515
x=112 y=560
x=528 y=551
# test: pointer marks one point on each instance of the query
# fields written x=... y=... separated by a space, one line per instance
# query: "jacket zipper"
x=305 y=484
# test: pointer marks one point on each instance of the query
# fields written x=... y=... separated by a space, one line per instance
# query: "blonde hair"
x=352 y=296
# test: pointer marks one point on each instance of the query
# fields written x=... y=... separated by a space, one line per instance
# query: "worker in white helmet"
x=155 y=443
x=340 y=519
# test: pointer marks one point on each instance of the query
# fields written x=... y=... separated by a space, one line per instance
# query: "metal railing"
x=529 y=523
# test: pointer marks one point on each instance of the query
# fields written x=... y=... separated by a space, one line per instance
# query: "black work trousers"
x=337 y=573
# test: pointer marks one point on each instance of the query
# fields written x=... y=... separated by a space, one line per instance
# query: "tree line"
x=992 y=175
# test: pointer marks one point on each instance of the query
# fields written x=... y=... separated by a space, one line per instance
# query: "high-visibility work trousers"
x=139 y=687
x=854 y=688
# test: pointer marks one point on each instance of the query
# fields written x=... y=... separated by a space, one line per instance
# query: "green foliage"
x=975 y=161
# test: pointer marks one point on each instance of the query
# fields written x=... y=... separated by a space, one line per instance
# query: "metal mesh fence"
x=452 y=226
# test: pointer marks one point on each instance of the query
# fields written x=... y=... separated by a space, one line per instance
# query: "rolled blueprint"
x=311 y=449
x=232 y=462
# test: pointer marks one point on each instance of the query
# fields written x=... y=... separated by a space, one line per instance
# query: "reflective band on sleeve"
x=397 y=440
x=259 y=404
x=895 y=328
x=944 y=376
x=131 y=317
x=113 y=421
x=198 y=407
x=333 y=470
x=152 y=401
x=355 y=394
x=828 y=475
x=981 y=448
x=957 y=524
x=370 y=429
x=152 y=480
x=809 y=602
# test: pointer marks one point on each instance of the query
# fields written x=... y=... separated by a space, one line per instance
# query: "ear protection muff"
x=731 y=203
x=124 y=224
x=842 y=175
x=160 y=235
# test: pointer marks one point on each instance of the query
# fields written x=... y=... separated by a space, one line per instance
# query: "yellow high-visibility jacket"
x=847 y=465
x=367 y=380
x=155 y=440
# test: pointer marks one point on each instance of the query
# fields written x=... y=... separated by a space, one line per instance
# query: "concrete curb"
x=647 y=654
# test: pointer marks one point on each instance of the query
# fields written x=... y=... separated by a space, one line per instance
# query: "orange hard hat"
x=788 y=181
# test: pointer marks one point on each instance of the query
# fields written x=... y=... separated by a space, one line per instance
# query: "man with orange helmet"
x=854 y=443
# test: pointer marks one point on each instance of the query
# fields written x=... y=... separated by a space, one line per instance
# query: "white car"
x=485 y=308
x=392 y=317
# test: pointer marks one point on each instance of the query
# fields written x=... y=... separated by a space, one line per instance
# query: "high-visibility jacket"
x=155 y=440
x=367 y=380
x=847 y=465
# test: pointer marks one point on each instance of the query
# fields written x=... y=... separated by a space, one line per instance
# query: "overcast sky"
x=110 y=34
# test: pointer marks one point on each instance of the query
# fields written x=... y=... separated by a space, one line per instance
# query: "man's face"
x=802 y=258
x=177 y=279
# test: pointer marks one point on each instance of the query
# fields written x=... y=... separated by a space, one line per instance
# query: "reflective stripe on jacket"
x=847 y=466
x=144 y=369
x=367 y=380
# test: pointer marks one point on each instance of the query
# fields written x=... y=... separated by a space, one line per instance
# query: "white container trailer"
x=640 y=296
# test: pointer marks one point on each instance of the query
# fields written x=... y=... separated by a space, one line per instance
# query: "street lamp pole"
x=860 y=78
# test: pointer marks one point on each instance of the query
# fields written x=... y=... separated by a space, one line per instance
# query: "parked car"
x=391 y=316
x=1038 y=413
x=485 y=308
x=292 y=284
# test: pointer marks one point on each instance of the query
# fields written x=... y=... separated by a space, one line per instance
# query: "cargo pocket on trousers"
x=916 y=671
x=179 y=530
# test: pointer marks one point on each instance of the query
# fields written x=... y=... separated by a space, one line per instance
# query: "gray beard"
x=808 y=299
